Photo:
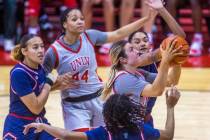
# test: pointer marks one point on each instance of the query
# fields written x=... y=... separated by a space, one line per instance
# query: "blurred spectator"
x=126 y=11
x=34 y=12
x=126 y=15
x=108 y=10
x=197 y=41
x=9 y=7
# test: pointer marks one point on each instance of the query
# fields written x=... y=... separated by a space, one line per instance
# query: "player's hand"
x=38 y=127
x=65 y=81
x=170 y=52
x=172 y=97
x=155 y=4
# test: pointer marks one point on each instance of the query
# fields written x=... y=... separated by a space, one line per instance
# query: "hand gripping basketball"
x=180 y=42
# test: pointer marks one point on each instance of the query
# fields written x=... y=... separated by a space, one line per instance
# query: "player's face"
x=75 y=22
x=34 y=52
x=132 y=54
x=141 y=42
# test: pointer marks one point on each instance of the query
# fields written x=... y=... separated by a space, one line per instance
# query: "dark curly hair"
x=122 y=112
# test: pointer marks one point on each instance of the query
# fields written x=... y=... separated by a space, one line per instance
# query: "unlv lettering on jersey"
x=81 y=61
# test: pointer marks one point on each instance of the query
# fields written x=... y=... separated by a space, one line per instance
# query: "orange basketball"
x=180 y=42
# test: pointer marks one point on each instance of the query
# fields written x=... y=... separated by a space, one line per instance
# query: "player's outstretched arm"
x=56 y=132
x=168 y=18
x=126 y=30
x=172 y=97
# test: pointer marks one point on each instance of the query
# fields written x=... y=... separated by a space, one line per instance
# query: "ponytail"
x=17 y=53
x=109 y=84
x=115 y=52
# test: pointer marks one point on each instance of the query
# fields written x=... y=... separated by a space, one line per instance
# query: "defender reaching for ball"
x=125 y=62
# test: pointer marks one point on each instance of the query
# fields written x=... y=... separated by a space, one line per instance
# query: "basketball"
x=180 y=42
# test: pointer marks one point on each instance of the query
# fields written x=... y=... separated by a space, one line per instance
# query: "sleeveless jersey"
x=81 y=64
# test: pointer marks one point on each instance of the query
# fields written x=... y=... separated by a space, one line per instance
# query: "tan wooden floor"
x=192 y=111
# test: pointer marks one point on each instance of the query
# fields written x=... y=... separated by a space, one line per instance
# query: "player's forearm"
x=174 y=75
x=54 y=131
x=126 y=30
x=170 y=123
x=63 y=134
x=42 y=98
x=160 y=81
x=171 y=22
x=149 y=58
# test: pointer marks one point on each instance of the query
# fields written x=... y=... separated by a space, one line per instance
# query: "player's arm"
x=36 y=103
x=168 y=18
x=126 y=30
x=50 y=63
x=149 y=58
x=174 y=75
x=62 y=82
x=157 y=87
x=160 y=82
x=172 y=97
x=56 y=132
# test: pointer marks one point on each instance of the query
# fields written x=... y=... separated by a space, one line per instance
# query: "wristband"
x=49 y=81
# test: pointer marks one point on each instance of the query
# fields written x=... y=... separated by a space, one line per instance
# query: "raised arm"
x=174 y=75
x=168 y=18
x=160 y=82
x=126 y=30
x=172 y=97
x=149 y=58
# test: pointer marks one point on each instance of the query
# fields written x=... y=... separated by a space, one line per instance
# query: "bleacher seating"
x=51 y=9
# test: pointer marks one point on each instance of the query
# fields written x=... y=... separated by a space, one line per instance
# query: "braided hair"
x=122 y=112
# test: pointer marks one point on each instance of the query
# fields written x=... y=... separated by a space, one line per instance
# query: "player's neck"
x=70 y=38
x=30 y=64
x=129 y=69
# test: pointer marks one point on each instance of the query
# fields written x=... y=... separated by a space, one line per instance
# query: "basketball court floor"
x=192 y=114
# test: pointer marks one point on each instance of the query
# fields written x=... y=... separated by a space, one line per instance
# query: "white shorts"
x=83 y=114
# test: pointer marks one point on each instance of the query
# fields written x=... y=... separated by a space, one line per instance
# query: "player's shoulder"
x=122 y=75
x=18 y=72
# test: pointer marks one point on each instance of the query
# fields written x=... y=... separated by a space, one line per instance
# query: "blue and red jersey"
x=147 y=133
x=24 y=81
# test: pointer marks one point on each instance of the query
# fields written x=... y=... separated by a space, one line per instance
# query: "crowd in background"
x=22 y=16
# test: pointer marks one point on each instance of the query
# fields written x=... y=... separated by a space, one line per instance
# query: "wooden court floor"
x=192 y=114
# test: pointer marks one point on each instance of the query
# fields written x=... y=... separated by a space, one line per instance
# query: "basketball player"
x=124 y=121
x=74 y=52
x=141 y=41
x=29 y=90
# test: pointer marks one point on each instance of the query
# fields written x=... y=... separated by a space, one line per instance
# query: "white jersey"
x=81 y=63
